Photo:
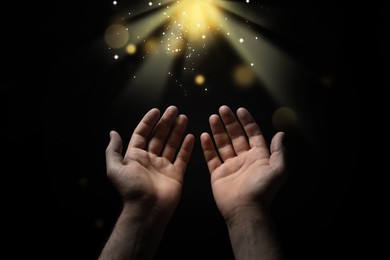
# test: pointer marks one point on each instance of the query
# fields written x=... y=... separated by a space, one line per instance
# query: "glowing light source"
x=189 y=28
x=131 y=49
x=200 y=79
x=195 y=18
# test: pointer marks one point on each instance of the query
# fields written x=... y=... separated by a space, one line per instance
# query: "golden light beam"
x=147 y=83
x=261 y=16
x=141 y=8
x=275 y=69
x=196 y=18
x=139 y=30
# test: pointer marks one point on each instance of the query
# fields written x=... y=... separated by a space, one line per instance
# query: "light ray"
x=274 y=68
x=144 y=27
x=147 y=83
x=141 y=9
x=186 y=27
x=257 y=15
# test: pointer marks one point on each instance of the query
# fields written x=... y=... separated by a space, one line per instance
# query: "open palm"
x=151 y=171
x=244 y=171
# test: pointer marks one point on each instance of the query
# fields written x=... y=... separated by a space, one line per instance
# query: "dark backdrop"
x=57 y=193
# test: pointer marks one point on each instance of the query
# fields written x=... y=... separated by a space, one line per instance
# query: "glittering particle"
x=200 y=79
x=151 y=45
x=185 y=29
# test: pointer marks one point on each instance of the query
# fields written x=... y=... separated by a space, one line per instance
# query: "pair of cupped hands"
x=245 y=171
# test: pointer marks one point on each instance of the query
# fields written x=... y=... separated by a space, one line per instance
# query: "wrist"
x=252 y=234
x=145 y=217
x=136 y=235
x=247 y=214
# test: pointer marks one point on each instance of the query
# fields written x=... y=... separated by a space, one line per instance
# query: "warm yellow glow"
x=195 y=18
x=243 y=76
x=175 y=46
x=131 y=49
x=116 y=36
x=151 y=45
x=200 y=79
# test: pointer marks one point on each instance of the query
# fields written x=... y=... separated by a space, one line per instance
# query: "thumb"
x=277 y=158
x=114 y=158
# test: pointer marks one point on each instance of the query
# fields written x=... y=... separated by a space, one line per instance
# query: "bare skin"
x=245 y=177
x=149 y=178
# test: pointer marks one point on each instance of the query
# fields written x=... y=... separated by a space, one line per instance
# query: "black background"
x=57 y=104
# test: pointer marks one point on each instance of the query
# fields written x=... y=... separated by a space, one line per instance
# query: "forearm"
x=135 y=236
x=252 y=235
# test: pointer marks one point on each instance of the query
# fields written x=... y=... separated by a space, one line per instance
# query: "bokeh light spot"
x=284 y=118
x=326 y=81
x=243 y=76
x=99 y=223
x=116 y=36
x=200 y=79
x=131 y=49
x=83 y=182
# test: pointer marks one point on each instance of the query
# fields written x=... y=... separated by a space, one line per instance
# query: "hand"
x=244 y=172
x=150 y=175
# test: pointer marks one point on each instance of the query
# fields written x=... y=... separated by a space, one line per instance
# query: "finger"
x=141 y=133
x=114 y=158
x=185 y=152
x=171 y=146
x=221 y=138
x=162 y=130
x=252 y=129
x=277 y=159
x=210 y=154
x=234 y=129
